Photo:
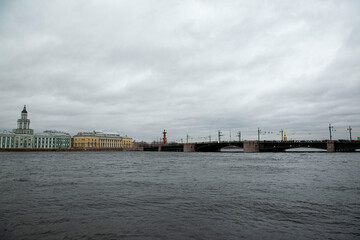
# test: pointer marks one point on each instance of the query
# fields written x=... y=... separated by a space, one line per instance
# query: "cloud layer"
x=190 y=67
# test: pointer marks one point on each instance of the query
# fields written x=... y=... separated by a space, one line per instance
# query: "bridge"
x=256 y=146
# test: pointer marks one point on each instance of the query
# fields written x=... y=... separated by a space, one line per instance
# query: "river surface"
x=164 y=195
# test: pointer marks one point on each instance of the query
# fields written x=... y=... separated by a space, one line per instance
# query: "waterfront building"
x=99 y=139
x=24 y=137
x=21 y=137
x=7 y=140
x=51 y=139
x=127 y=142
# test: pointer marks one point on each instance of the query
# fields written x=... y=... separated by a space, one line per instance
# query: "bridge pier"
x=251 y=146
x=189 y=147
x=331 y=146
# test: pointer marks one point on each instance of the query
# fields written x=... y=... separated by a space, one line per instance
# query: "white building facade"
x=24 y=137
x=52 y=140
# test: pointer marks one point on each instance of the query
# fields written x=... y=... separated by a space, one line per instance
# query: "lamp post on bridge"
x=331 y=129
x=239 y=135
x=259 y=131
x=219 y=136
x=349 y=129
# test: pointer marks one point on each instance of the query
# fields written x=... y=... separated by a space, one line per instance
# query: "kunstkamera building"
x=24 y=137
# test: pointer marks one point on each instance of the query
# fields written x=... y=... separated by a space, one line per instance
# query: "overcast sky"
x=138 y=67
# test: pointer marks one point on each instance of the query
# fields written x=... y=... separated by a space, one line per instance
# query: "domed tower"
x=23 y=124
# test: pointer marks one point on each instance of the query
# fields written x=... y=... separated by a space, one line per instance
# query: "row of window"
x=44 y=142
x=96 y=140
x=27 y=142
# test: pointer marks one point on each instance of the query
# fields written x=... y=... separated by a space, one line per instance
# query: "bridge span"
x=256 y=146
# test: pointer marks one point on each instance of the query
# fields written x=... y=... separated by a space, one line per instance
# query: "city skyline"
x=220 y=136
x=190 y=67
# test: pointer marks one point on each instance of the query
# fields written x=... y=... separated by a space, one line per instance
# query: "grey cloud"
x=188 y=66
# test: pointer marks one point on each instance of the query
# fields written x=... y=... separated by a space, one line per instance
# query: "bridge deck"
x=263 y=146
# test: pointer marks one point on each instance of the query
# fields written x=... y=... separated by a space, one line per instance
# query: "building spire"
x=24 y=110
x=285 y=137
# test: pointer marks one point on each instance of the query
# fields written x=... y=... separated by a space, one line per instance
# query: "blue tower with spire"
x=23 y=124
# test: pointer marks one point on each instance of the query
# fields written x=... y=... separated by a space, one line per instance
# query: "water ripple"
x=126 y=195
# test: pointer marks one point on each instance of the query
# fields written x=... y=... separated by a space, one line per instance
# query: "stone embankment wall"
x=69 y=150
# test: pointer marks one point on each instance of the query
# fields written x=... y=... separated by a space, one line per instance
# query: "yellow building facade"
x=99 y=139
x=127 y=142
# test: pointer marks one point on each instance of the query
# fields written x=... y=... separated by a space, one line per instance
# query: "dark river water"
x=162 y=195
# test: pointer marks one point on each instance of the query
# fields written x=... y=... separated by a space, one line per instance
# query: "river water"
x=164 y=195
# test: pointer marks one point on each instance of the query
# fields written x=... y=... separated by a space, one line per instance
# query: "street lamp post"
x=219 y=136
x=239 y=135
x=349 y=129
x=331 y=128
